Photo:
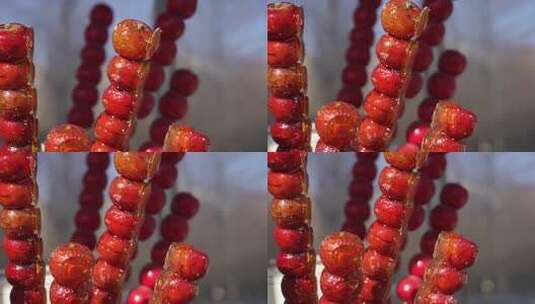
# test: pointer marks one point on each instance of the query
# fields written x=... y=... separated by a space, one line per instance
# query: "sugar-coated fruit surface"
x=15 y=164
x=387 y=81
x=25 y=276
x=292 y=240
x=284 y=53
x=111 y=130
x=131 y=39
x=22 y=252
x=291 y=213
x=337 y=288
x=136 y=166
x=182 y=138
x=107 y=277
x=383 y=239
x=60 y=294
x=20 y=224
x=458 y=251
x=371 y=290
x=392 y=52
x=444 y=143
x=285 y=184
x=15 y=41
x=377 y=266
x=16 y=104
x=120 y=223
x=291 y=135
x=372 y=135
x=288 y=109
x=287 y=82
x=295 y=264
x=337 y=123
x=67 y=138
x=390 y=212
x=119 y=103
x=447 y=280
x=299 y=289
x=17 y=133
x=286 y=161
x=341 y=253
x=16 y=196
x=176 y=290
x=402 y=160
x=71 y=264
x=114 y=250
x=455 y=121
x=400 y=18
x=381 y=108
x=284 y=20
x=395 y=183
x=125 y=74
x=322 y=147
x=126 y=194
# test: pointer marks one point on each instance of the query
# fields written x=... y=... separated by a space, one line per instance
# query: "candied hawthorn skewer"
x=357 y=209
x=287 y=77
x=291 y=213
x=447 y=272
x=451 y=124
x=123 y=221
x=85 y=94
x=174 y=228
x=441 y=85
x=443 y=217
x=71 y=266
x=341 y=254
x=135 y=44
x=184 y=266
x=20 y=218
x=392 y=79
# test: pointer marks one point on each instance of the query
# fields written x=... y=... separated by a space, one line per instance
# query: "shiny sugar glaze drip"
x=20 y=218
x=291 y=213
x=287 y=77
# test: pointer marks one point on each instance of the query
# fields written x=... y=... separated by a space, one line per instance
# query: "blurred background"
x=498 y=217
x=230 y=226
x=496 y=36
x=224 y=44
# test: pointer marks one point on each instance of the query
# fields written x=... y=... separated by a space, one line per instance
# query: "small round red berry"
x=454 y=195
x=408 y=287
x=131 y=39
x=418 y=264
x=400 y=18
